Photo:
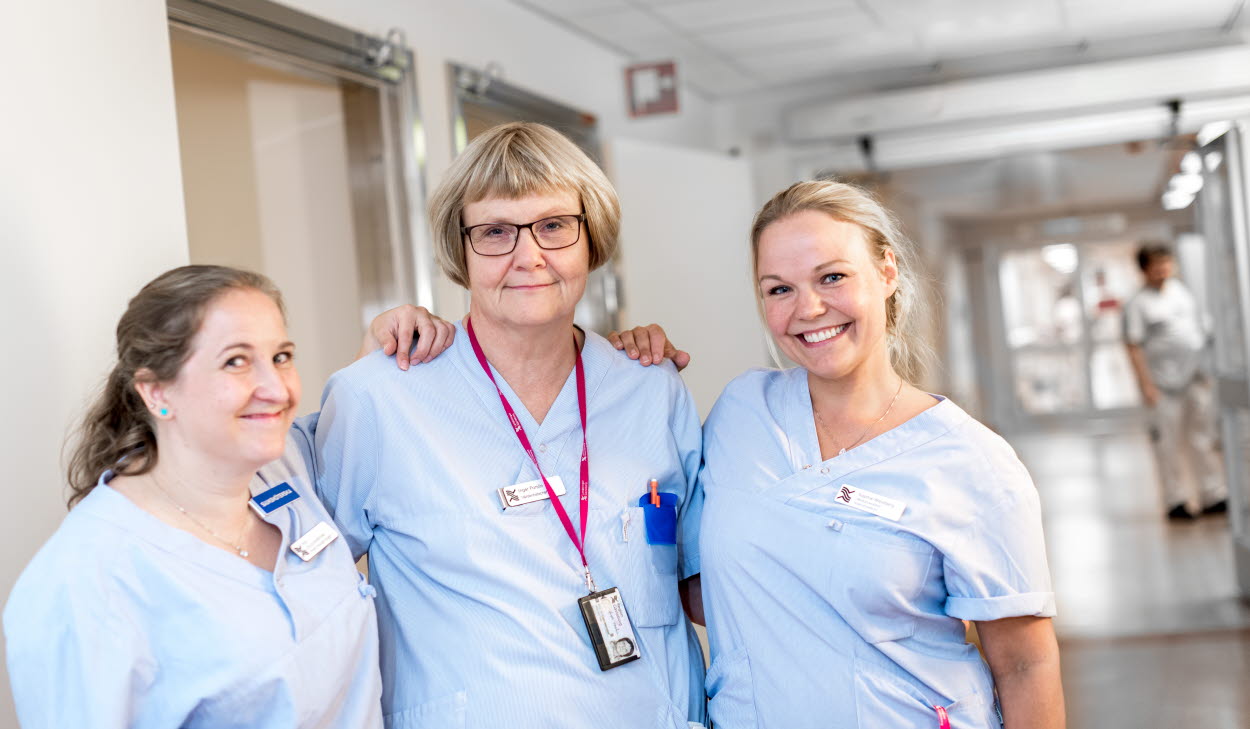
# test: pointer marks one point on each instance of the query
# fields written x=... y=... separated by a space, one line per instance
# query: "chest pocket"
x=876 y=574
x=647 y=572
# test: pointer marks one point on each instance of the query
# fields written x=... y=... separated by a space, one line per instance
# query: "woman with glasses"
x=519 y=496
x=854 y=521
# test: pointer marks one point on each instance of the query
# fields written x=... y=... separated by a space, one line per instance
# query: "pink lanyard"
x=944 y=721
x=584 y=489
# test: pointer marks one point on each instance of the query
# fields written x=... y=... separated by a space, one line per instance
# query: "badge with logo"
x=529 y=491
x=315 y=540
x=858 y=498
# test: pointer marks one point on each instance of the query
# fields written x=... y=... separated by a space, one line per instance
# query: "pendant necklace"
x=233 y=545
x=874 y=424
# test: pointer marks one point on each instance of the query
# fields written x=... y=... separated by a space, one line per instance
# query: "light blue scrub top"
x=122 y=620
x=822 y=615
x=477 y=604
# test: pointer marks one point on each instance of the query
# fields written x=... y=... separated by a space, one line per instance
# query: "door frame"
x=397 y=264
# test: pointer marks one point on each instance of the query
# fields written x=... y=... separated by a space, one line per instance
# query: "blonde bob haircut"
x=512 y=161
x=909 y=353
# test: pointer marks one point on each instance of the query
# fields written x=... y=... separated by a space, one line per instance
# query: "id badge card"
x=611 y=633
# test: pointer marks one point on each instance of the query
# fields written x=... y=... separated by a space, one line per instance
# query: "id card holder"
x=661 y=521
x=611 y=633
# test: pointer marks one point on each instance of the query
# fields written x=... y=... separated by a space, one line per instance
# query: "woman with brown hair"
x=197 y=580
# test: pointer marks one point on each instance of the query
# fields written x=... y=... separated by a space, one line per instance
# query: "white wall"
x=685 y=257
x=90 y=209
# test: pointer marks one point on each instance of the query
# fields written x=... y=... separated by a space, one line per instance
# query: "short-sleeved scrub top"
x=824 y=615
x=122 y=620
x=477 y=604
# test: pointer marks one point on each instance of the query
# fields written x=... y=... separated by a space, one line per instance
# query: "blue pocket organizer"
x=661 y=520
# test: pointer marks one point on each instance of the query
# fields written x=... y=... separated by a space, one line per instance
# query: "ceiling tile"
x=700 y=15
x=572 y=8
x=1100 y=18
x=774 y=34
x=619 y=27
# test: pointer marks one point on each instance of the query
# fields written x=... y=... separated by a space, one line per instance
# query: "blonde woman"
x=852 y=521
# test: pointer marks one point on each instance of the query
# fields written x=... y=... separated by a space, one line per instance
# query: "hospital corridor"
x=940 y=417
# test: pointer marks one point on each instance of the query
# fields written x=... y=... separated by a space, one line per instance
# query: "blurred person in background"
x=1166 y=336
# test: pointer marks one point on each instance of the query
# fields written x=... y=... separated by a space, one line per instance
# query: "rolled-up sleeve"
x=998 y=569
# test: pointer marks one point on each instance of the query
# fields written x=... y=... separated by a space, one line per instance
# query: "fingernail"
x=645 y=360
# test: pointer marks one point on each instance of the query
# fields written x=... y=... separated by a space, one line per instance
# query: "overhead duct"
x=1138 y=83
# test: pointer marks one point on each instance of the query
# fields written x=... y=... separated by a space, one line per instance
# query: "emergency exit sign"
x=651 y=88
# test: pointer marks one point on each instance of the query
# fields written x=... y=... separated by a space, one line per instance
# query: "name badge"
x=858 y=498
x=611 y=632
x=529 y=491
x=275 y=498
x=315 y=540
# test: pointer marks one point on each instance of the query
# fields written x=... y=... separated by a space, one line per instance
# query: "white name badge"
x=315 y=540
x=858 y=498
x=529 y=491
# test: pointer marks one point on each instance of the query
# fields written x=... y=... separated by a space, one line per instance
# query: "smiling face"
x=824 y=295
x=530 y=286
x=233 y=401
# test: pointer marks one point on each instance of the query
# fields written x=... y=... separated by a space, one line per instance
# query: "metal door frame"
x=984 y=256
x=398 y=265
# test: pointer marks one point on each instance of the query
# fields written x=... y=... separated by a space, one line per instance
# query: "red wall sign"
x=651 y=88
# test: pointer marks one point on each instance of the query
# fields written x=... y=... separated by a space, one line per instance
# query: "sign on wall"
x=651 y=88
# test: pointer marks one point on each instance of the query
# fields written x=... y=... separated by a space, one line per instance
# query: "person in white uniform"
x=853 y=522
x=197 y=580
x=500 y=605
x=1166 y=337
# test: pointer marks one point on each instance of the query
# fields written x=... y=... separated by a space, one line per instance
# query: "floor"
x=1152 y=633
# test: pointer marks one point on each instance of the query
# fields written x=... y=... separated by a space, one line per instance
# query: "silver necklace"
x=233 y=545
x=874 y=423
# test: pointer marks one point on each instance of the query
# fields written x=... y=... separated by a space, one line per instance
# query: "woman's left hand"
x=649 y=345
x=393 y=332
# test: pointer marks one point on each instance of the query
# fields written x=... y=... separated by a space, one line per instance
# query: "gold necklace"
x=874 y=423
x=235 y=545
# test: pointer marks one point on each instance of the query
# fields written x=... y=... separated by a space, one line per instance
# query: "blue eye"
x=777 y=291
x=832 y=277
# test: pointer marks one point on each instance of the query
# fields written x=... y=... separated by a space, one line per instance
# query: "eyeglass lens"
x=498 y=238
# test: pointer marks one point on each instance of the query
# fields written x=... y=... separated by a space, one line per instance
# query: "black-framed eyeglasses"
x=499 y=239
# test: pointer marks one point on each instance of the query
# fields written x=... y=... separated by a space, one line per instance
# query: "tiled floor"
x=1152 y=633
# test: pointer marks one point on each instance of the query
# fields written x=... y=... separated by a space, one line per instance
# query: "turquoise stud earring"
x=164 y=412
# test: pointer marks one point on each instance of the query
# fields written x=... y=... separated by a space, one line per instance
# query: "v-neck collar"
x=105 y=502
x=805 y=444
x=595 y=364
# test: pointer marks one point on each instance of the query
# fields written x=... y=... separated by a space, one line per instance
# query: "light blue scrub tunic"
x=122 y=620
x=477 y=604
x=822 y=615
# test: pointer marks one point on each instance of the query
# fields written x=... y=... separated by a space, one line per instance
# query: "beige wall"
x=265 y=174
